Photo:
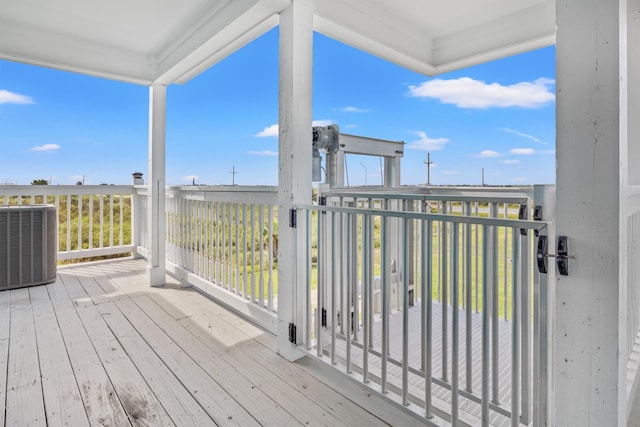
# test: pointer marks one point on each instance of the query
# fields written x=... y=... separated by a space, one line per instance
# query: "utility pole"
x=428 y=162
x=233 y=175
x=483 y=177
x=365 y=173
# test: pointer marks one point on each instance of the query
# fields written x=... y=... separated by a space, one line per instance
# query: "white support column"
x=392 y=171
x=335 y=170
x=633 y=91
x=590 y=82
x=294 y=148
x=156 y=268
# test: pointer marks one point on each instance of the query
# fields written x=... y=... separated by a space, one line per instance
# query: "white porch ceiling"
x=171 y=41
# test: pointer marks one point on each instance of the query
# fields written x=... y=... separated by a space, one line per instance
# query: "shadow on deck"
x=99 y=347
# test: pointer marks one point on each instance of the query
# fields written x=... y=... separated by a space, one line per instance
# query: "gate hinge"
x=322 y=201
x=324 y=317
x=292 y=333
x=523 y=214
x=537 y=216
x=293 y=218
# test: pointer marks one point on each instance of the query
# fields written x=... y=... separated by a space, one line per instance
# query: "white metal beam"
x=355 y=144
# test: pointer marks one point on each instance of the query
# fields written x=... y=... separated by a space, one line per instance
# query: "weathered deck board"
x=24 y=405
x=204 y=363
x=5 y=319
x=205 y=391
x=62 y=398
x=138 y=400
x=242 y=354
x=98 y=395
x=99 y=347
x=289 y=373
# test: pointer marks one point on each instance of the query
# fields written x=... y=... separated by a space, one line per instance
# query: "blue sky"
x=498 y=116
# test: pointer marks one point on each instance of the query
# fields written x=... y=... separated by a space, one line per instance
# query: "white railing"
x=479 y=202
x=224 y=241
x=633 y=297
x=415 y=282
x=633 y=280
x=93 y=220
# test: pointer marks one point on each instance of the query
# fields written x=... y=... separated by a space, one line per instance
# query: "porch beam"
x=294 y=159
x=590 y=139
x=156 y=268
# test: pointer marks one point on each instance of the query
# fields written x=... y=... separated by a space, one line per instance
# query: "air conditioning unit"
x=28 y=245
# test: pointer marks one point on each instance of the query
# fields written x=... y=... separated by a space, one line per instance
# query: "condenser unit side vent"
x=28 y=245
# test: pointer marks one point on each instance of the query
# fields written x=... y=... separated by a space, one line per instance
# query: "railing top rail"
x=225 y=188
x=52 y=190
x=460 y=219
x=432 y=197
x=235 y=194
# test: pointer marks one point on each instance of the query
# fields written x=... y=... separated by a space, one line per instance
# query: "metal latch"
x=562 y=257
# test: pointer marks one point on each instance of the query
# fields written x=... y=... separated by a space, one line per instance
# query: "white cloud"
x=325 y=122
x=488 y=154
x=272 y=130
x=519 y=179
x=451 y=172
x=7 y=97
x=190 y=178
x=466 y=92
x=45 y=147
x=510 y=162
x=352 y=109
x=351 y=126
x=523 y=151
x=524 y=135
x=428 y=144
x=263 y=153
x=268 y=131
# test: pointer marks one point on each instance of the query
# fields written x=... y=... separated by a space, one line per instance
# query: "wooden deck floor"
x=99 y=347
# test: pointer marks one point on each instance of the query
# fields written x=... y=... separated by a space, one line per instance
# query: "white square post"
x=294 y=161
x=156 y=268
x=591 y=143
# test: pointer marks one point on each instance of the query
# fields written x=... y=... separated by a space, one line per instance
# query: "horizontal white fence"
x=224 y=241
x=409 y=300
x=93 y=220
